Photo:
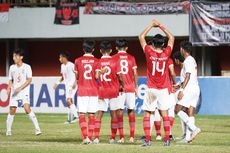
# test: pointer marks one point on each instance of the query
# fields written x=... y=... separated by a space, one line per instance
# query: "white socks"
x=151 y=123
x=183 y=126
x=9 y=122
x=69 y=115
x=188 y=131
x=73 y=110
x=183 y=116
x=34 y=120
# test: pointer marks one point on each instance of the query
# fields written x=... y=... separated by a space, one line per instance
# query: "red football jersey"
x=126 y=63
x=108 y=81
x=85 y=66
x=157 y=67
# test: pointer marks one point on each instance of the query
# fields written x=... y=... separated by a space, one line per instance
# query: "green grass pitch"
x=58 y=137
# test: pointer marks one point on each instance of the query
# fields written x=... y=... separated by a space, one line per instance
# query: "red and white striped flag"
x=4 y=12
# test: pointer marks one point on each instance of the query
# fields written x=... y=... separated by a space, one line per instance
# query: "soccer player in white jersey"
x=189 y=92
x=70 y=81
x=20 y=77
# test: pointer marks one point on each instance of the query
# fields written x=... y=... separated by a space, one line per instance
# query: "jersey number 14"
x=156 y=68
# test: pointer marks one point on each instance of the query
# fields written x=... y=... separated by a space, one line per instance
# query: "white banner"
x=43 y=98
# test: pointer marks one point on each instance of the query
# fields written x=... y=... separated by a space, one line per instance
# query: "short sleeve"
x=188 y=65
x=10 y=74
x=117 y=66
x=29 y=72
x=170 y=62
x=72 y=67
x=147 y=49
x=98 y=66
x=168 y=50
x=76 y=66
x=61 y=69
x=134 y=66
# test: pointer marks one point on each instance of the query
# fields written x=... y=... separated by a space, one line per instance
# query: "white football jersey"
x=189 y=66
x=19 y=75
x=67 y=71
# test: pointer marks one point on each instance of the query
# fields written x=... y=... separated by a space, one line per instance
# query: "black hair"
x=105 y=46
x=19 y=52
x=187 y=46
x=65 y=54
x=178 y=56
x=158 y=41
x=88 y=46
x=121 y=43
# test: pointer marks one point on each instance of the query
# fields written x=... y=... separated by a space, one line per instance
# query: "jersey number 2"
x=88 y=69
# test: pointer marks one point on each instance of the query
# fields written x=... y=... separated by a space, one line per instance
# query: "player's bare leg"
x=146 y=127
x=9 y=120
x=33 y=118
x=166 y=123
x=120 y=113
x=132 y=120
x=114 y=126
x=72 y=109
x=97 y=128
x=185 y=117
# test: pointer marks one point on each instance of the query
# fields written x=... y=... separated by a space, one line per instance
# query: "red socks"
x=83 y=126
x=114 y=126
x=171 y=120
x=132 y=124
x=146 y=126
x=91 y=124
x=166 y=127
x=120 y=125
x=157 y=125
x=97 y=128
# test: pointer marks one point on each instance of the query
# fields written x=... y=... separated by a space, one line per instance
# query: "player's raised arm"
x=168 y=34
x=144 y=34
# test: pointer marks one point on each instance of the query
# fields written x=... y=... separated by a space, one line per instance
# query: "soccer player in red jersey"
x=87 y=99
x=108 y=81
x=157 y=94
x=128 y=69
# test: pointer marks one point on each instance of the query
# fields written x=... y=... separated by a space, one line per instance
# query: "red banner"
x=4 y=7
x=67 y=13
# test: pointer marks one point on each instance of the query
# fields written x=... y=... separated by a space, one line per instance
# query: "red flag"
x=4 y=12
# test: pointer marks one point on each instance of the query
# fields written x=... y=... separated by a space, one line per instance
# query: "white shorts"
x=87 y=104
x=104 y=104
x=20 y=99
x=156 y=98
x=191 y=97
x=172 y=100
x=70 y=92
x=128 y=98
